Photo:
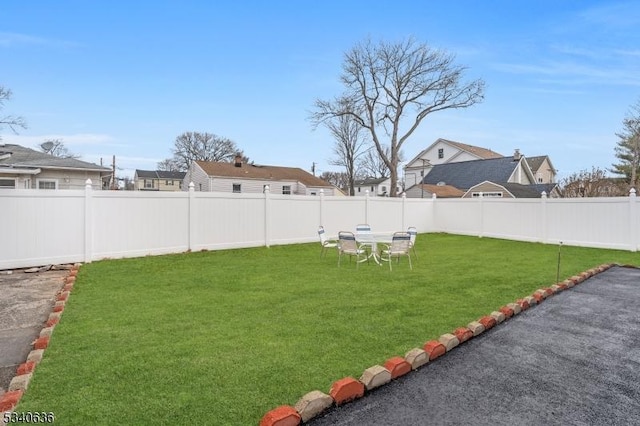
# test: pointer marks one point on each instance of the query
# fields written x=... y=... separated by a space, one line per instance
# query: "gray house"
x=509 y=177
x=25 y=168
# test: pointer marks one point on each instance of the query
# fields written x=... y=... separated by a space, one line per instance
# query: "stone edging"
x=348 y=389
x=20 y=382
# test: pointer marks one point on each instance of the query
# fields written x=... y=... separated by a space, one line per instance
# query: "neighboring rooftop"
x=19 y=156
x=159 y=174
x=465 y=174
x=254 y=171
x=476 y=150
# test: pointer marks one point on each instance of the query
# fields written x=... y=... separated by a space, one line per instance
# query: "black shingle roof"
x=465 y=174
x=159 y=174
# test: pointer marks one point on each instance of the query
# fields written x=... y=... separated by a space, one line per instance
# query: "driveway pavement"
x=572 y=360
x=26 y=300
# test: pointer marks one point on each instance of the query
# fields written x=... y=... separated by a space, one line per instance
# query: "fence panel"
x=41 y=230
x=222 y=221
x=130 y=224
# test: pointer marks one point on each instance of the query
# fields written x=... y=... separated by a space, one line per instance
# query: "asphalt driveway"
x=572 y=360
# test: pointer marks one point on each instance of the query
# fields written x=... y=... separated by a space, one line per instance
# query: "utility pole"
x=113 y=173
x=313 y=168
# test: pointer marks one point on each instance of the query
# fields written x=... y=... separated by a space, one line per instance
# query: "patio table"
x=372 y=239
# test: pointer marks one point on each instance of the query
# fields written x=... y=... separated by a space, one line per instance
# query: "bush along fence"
x=348 y=389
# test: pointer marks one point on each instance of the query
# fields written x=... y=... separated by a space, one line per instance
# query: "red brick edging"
x=18 y=385
x=349 y=389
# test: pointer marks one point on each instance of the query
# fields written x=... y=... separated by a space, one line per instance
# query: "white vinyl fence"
x=43 y=227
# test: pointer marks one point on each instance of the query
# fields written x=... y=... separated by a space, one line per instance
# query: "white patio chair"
x=347 y=245
x=413 y=232
x=325 y=242
x=400 y=246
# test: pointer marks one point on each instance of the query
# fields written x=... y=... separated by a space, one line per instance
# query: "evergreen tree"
x=628 y=147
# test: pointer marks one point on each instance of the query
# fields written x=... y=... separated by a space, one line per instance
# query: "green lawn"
x=222 y=337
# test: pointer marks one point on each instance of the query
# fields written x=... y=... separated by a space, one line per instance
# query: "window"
x=358 y=189
x=486 y=194
x=286 y=189
x=440 y=152
x=384 y=188
x=371 y=189
x=237 y=188
x=7 y=183
x=169 y=183
x=148 y=183
x=47 y=184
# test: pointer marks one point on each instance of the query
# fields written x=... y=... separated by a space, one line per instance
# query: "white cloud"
x=16 y=39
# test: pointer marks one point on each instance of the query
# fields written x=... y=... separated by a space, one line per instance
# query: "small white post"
x=88 y=221
x=404 y=202
x=633 y=220
x=366 y=206
x=191 y=226
x=267 y=218
x=543 y=224
x=321 y=207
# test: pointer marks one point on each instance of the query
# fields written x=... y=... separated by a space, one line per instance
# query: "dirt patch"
x=26 y=300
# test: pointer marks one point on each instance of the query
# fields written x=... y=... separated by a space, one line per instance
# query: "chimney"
x=516 y=155
x=237 y=161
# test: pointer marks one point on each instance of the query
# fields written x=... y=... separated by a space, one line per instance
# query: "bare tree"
x=56 y=148
x=594 y=183
x=628 y=147
x=349 y=144
x=196 y=146
x=339 y=179
x=168 y=165
x=387 y=82
x=11 y=121
x=372 y=165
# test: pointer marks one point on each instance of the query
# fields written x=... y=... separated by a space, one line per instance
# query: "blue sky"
x=125 y=78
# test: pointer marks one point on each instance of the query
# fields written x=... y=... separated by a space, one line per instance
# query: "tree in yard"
x=10 y=121
x=628 y=147
x=594 y=183
x=168 y=165
x=392 y=87
x=196 y=146
x=56 y=148
x=349 y=143
x=339 y=179
x=372 y=165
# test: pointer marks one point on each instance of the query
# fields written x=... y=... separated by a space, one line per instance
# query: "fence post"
x=633 y=220
x=404 y=202
x=434 y=219
x=366 y=206
x=267 y=216
x=191 y=219
x=88 y=221
x=321 y=207
x=481 y=233
x=543 y=206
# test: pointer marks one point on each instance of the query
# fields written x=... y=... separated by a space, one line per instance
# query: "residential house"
x=158 y=180
x=377 y=187
x=494 y=177
x=25 y=168
x=443 y=151
x=240 y=177
x=428 y=191
x=542 y=169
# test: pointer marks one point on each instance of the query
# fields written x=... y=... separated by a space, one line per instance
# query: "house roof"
x=481 y=153
x=159 y=174
x=19 y=156
x=536 y=162
x=441 y=191
x=465 y=174
x=254 y=171
x=370 y=181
